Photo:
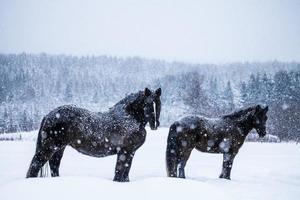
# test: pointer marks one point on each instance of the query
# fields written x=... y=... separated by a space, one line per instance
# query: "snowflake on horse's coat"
x=223 y=135
x=119 y=131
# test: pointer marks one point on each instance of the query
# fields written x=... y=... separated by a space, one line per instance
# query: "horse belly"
x=94 y=148
x=208 y=146
x=96 y=153
x=207 y=149
x=209 y=140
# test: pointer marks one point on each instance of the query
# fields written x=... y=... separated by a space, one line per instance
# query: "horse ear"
x=257 y=108
x=266 y=109
x=147 y=92
x=158 y=92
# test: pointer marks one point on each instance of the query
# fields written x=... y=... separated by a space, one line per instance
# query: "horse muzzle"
x=155 y=125
x=261 y=134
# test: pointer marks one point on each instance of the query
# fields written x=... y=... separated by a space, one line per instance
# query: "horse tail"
x=172 y=151
x=44 y=171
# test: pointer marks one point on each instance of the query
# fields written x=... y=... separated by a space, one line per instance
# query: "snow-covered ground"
x=260 y=171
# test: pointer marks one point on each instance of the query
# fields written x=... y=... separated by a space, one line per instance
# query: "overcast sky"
x=187 y=30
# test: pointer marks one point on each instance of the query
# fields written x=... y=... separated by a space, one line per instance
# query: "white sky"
x=187 y=30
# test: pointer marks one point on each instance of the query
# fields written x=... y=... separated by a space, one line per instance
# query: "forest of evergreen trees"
x=32 y=85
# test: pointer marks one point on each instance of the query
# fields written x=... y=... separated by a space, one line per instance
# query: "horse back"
x=96 y=134
x=212 y=135
x=68 y=123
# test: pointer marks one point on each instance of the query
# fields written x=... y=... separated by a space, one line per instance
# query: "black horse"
x=223 y=135
x=119 y=131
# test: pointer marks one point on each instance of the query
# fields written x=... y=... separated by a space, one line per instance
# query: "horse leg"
x=171 y=162
x=54 y=162
x=182 y=161
x=38 y=161
x=128 y=166
x=172 y=152
x=227 y=165
x=46 y=147
x=124 y=160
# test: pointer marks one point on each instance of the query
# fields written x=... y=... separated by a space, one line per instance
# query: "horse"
x=121 y=131
x=225 y=134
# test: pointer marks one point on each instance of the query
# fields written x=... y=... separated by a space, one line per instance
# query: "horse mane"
x=239 y=113
x=129 y=99
x=131 y=104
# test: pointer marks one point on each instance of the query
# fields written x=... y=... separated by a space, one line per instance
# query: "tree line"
x=33 y=84
x=280 y=91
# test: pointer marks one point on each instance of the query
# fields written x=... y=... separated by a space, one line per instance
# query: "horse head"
x=260 y=119
x=152 y=107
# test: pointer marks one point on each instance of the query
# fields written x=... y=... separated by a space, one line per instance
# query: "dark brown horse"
x=223 y=135
x=119 y=131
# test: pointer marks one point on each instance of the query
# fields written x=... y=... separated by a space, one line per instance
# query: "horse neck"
x=245 y=123
x=136 y=110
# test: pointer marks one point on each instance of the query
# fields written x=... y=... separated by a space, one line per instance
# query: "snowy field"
x=260 y=171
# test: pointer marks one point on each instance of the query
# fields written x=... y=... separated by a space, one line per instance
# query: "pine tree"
x=228 y=98
x=253 y=88
x=195 y=96
x=244 y=93
x=68 y=93
x=214 y=98
x=267 y=88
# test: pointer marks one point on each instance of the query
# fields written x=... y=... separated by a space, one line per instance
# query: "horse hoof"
x=172 y=176
x=225 y=177
x=121 y=180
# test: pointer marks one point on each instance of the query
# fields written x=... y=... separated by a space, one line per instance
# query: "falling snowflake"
x=78 y=141
x=224 y=146
x=122 y=157
x=44 y=134
x=193 y=126
x=184 y=143
x=210 y=143
x=57 y=115
x=285 y=106
x=178 y=129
